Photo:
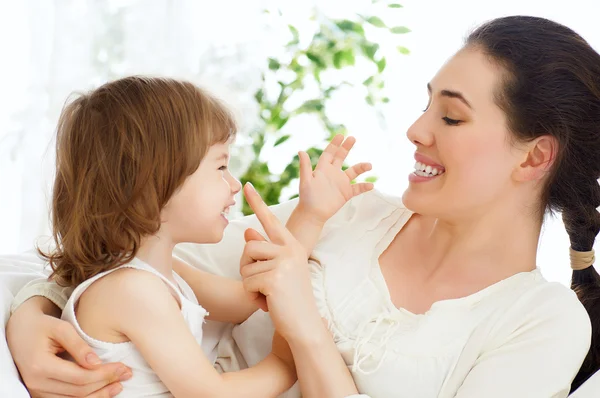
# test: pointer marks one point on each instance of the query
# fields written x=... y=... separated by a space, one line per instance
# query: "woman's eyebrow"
x=452 y=94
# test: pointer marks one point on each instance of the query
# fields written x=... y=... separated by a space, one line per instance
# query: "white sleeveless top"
x=144 y=383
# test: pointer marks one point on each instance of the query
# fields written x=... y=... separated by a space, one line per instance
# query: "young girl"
x=141 y=167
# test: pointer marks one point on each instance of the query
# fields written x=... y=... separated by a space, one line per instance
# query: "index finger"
x=70 y=372
x=274 y=229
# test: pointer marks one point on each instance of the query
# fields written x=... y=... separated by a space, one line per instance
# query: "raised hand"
x=326 y=189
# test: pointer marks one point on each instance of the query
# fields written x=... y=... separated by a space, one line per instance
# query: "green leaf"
x=294 y=32
x=369 y=100
x=385 y=100
x=370 y=49
x=369 y=81
x=372 y=179
x=376 y=21
x=294 y=196
x=281 y=122
x=258 y=96
x=316 y=59
x=381 y=64
x=403 y=50
x=350 y=26
x=274 y=64
x=395 y=5
x=343 y=58
x=315 y=105
x=337 y=60
x=399 y=29
x=281 y=140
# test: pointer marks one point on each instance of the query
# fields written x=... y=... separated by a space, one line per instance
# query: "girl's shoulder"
x=98 y=305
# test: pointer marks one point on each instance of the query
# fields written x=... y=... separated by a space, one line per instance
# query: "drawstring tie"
x=393 y=322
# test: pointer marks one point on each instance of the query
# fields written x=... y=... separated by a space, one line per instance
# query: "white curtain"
x=53 y=48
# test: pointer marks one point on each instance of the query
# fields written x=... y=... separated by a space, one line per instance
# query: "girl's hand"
x=276 y=274
x=326 y=189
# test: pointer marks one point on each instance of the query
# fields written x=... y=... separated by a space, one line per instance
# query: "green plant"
x=335 y=44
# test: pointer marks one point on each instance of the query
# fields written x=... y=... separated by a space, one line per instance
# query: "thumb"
x=66 y=336
x=305 y=167
x=252 y=234
x=261 y=301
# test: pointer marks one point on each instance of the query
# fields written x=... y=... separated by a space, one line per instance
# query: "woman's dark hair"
x=551 y=87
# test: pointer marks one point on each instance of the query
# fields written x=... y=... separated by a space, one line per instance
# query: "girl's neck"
x=157 y=251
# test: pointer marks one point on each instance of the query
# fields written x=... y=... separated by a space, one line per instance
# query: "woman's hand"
x=35 y=341
x=326 y=189
x=276 y=273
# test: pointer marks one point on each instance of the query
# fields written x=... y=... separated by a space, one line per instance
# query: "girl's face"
x=197 y=211
x=464 y=157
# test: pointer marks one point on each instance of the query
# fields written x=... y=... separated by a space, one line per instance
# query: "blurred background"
x=296 y=72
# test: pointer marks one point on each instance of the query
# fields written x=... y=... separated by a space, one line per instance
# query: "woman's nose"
x=420 y=132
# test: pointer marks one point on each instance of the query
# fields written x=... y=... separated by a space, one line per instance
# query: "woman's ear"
x=540 y=155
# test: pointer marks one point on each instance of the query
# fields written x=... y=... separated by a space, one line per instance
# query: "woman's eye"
x=451 y=122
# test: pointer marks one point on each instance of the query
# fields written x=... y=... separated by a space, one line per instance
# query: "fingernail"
x=93 y=359
x=251 y=186
x=115 y=390
x=123 y=373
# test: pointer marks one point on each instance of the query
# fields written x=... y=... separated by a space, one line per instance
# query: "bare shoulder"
x=105 y=307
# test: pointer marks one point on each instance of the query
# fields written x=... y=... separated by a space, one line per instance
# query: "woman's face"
x=463 y=137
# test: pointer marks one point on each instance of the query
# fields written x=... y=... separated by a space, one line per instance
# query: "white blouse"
x=523 y=337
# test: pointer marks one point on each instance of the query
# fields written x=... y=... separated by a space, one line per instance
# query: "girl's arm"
x=225 y=299
x=150 y=317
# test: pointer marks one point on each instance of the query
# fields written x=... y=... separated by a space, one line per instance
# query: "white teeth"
x=424 y=170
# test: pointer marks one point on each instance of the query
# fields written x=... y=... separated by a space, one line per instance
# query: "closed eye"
x=451 y=122
x=223 y=168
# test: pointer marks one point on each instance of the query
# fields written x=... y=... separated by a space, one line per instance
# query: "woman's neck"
x=494 y=238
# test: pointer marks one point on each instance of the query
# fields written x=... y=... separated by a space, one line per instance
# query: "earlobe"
x=540 y=156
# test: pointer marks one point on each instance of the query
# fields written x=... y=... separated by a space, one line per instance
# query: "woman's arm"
x=321 y=370
x=225 y=299
x=543 y=343
x=151 y=318
x=35 y=338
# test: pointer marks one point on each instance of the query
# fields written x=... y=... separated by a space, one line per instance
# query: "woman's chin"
x=419 y=202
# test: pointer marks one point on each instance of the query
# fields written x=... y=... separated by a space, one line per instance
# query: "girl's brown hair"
x=122 y=151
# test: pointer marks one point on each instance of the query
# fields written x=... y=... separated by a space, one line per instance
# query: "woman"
x=438 y=294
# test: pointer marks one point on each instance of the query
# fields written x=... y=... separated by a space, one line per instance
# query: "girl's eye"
x=223 y=168
x=451 y=122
